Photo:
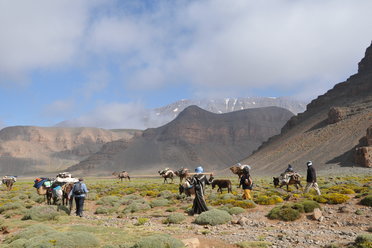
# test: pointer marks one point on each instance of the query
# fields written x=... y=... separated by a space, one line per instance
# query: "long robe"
x=199 y=181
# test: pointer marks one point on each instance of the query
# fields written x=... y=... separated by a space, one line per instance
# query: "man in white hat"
x=311 y=178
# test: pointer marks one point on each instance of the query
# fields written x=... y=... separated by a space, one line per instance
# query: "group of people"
x=199 y=181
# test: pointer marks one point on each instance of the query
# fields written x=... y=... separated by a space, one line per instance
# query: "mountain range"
x=156 y=117
x=195 y=137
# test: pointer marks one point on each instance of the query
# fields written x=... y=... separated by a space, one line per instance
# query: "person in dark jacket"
x=246 y=183
x=199 y=181
x=79 y=192
x=311 y=179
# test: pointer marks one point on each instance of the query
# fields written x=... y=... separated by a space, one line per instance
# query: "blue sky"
x=95 y=59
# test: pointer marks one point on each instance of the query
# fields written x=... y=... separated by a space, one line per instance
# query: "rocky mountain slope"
x=328 y=132
x=195 y=137
x=30 y=150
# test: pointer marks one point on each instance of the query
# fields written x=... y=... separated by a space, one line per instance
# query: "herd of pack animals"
x=183 y=174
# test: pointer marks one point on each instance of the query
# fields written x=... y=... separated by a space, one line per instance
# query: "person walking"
x=79 y=192
x=199 y=181
x=311 y=179
x=246 y=182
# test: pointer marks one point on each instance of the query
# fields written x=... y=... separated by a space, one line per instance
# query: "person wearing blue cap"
x=311 y=178
x=199 y=181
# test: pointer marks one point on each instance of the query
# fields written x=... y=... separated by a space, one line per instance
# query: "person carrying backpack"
x=79 y=192
x=247 y=183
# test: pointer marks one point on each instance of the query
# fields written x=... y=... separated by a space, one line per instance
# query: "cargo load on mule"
x=65 y=177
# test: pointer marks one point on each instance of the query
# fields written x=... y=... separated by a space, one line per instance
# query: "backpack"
x=247 y=183
x=78 y=189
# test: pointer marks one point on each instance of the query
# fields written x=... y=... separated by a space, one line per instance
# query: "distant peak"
x=365 y=65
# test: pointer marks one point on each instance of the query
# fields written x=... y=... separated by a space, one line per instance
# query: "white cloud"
x=238 y=44
x=39 y=34
x=112 y=115
x=97 y=81
x=59 y=108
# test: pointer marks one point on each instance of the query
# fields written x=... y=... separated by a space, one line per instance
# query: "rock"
x=317 y=214
x=344 y=209
x=192 y=242
x=363 y=156
x=336 y=114
x=243 y=221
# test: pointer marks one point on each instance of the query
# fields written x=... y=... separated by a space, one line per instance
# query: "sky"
x=105 y=62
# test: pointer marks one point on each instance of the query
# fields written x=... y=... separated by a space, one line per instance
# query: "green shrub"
x=367 y=201
x=42 y=213
x=363 y=241
x=128 y=199
x=235 y=210
x=336 y=198
x=268 y=200
x=159 y=203
x=287 y=212
x=105 y=210
x=29 y=232
x=135 y=207
x=57 y=239
x=166 y=194
x=171 y=209
x=228 y=196
x=10 y=206
x=254 y=244
x=174 y=218
x=309 y=206
x=158 y=241
x=213 y=217
x=109 y=201
x=142 y=221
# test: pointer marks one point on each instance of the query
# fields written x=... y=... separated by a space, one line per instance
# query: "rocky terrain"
x=27 y=149
x=195 y=137
x=330 y=130
x=339 y=225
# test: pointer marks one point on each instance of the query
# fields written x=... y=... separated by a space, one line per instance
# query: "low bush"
x=213 y=217
x=105 y=210
x=29 y=232
x=309 y=206
x=53 y=238
x=42 y=213
x=235 y=210
x=287 y=212
x=136 y=207
x=10 y=206
x=336 y=198
x=367 y=201
x=159 y=203
x=109 y=201
x=254 y=244
x=167 y=194
x=174 y=218
x=128 y=199
x=363 y=241
x=159 y=240
x=171 y=209
x=141 y=221
x=268 y=200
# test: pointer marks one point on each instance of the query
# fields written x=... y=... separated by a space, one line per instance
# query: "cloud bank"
x=298 y=48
